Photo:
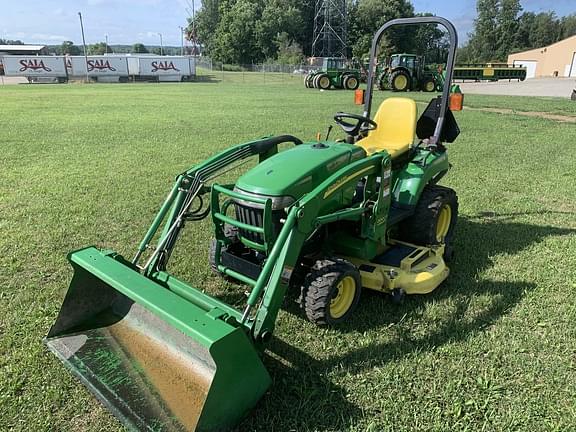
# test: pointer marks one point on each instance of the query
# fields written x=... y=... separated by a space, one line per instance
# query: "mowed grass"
x=494 y=348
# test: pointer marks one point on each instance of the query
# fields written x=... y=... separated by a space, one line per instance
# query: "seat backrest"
x=396 y=120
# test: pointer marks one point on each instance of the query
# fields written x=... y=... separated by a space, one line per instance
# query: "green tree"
x=484 y=41
x=11 y=42
x=278 y=16
x=139 y=48
x=205 y=23
x=525 y=28
x=429 y=40
x=69 y=48
x=235 y=36
x=366 y=16
x=568 y=26
x=508 y=25
x=289 y=52
x=545 y=30
x=98 y=48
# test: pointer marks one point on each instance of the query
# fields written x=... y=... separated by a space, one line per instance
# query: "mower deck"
x=414 y=269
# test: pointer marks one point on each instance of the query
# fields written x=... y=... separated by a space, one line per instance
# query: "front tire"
x=384 y=82
x=429 y=85
x=434 y=219
x=231 y=234
x=331 y=291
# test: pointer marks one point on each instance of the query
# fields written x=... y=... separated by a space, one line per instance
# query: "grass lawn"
x=494 y=348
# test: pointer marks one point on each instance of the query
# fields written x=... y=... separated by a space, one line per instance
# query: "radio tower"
x=330 y=29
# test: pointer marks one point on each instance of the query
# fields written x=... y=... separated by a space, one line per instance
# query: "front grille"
x=250 y=216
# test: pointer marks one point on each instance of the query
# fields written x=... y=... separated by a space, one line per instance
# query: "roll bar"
x=449 y=64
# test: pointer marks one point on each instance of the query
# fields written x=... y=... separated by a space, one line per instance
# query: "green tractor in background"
x=334 y=73
x=324 y=219
x=408 y=72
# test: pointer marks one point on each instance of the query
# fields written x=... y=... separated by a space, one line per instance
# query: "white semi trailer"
x=167 y=68
x=100 y=68
x=36 y=68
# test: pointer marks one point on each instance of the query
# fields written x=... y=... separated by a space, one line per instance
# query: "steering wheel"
x=363 y=124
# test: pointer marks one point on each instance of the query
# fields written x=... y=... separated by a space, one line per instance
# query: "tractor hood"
x=298 y=170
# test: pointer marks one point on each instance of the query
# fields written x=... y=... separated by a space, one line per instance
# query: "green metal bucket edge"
x=240 y=378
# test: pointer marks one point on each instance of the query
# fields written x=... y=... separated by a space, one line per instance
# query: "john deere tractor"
x=334 y=73
x=325 y=219
x=409 y=72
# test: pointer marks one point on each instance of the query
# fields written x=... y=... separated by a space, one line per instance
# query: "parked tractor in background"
x=334 y=73
x=409 y=72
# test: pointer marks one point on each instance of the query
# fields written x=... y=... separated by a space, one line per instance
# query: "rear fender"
x=423 y=169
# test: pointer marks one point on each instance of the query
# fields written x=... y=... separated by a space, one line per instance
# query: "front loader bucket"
x=157 y=361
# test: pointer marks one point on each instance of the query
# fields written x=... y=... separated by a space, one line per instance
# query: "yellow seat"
x=396 y=120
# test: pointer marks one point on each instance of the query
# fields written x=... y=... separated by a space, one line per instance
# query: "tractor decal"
x=337 y=184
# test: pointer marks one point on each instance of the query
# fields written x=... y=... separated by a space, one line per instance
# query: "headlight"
x=278 y=203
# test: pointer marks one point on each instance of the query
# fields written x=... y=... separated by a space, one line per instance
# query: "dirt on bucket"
x=181 y=386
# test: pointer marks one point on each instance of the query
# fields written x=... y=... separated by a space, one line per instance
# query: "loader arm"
x=303 y=219
x=191 y=185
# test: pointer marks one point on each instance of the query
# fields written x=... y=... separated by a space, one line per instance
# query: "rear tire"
x=315 y=81
x=351 y=82
x=400 y=81
x=323 y=82
x=434 y=219
x=331 y=291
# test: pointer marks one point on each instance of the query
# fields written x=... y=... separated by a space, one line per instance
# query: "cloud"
x=39 y=37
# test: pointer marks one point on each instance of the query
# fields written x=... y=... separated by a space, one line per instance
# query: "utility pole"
x=106 y=36
x=84 y=44
x=161 y=45
x=330 y=29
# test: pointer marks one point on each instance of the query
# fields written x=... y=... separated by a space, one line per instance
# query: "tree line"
x=501 y=28
x=100 y=48
x=255 y=31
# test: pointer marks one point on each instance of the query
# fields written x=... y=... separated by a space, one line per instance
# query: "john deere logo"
x=100 y=66
x=163 y=65
x=33 y=65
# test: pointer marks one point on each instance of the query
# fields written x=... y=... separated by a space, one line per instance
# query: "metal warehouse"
x=556 y=60
x=23 y=50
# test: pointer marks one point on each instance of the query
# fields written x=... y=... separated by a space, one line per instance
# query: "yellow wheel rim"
x=324 y=82
x=443 y=224
x=352 y=82
x=400 y=82
x=343 y=298
x=430 y=86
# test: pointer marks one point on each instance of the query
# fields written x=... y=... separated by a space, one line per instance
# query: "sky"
x=129 y=21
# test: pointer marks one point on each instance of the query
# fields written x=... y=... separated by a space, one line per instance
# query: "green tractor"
x=325 y=219
x=334 y=73
x=408 y=72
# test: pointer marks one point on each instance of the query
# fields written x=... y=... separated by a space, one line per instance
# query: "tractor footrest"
x=394 y=256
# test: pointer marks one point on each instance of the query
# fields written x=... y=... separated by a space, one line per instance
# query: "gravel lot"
x=559 y=87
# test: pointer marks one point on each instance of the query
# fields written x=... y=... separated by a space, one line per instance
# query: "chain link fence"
x=264 y=73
